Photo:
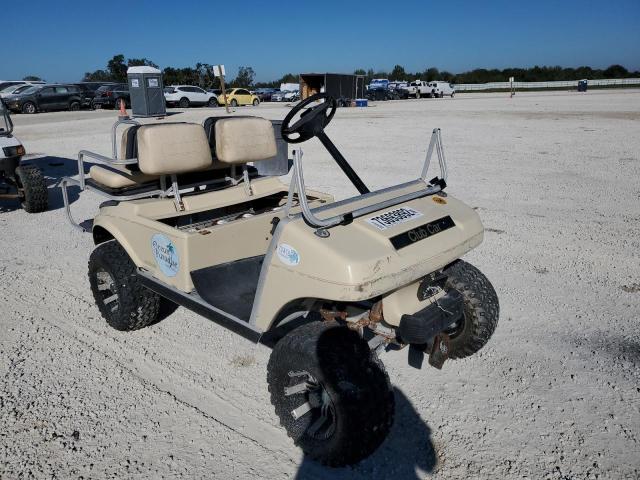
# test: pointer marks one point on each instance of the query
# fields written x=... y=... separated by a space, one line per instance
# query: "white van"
x=440 y=89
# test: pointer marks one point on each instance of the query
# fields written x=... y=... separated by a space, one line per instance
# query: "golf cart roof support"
x=297 y=185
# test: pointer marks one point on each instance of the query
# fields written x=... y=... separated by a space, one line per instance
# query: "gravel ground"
x=555 y=394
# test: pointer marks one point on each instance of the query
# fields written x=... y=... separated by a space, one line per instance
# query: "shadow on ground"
x=407 y=453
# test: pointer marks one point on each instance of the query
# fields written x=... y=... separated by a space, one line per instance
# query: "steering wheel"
x=312 y=121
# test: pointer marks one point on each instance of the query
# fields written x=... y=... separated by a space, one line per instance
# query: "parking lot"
x=554 y=177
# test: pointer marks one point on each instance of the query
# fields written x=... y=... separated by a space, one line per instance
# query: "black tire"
x=481 y=309
x=74 y=107
x=346 y=378
x=35 y=195
x=29 y=107
x=213 y=102
x=184 y=102
x=256 y=102
x=123 y=301
x=234 y=102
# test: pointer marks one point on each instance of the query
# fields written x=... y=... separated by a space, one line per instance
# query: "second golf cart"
x=328 y=284
x=19 y=181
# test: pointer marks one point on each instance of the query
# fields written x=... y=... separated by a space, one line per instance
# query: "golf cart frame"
x=297 y=206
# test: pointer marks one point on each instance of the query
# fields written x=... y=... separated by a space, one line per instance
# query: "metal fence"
x=605 y=82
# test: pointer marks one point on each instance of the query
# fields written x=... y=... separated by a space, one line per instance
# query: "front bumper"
x=421 y=327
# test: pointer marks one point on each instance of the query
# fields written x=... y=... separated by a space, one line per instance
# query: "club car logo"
x=164 y=251
x=288 y=255
x=393 y=218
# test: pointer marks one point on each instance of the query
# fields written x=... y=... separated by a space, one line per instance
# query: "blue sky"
x=61 y=40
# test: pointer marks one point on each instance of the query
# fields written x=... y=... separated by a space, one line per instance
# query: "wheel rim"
x=457 y=328
x=107 y=290
x=315 y=401
x=30 y=108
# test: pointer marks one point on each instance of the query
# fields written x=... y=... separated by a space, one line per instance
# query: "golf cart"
x=329 y=285
x=19 y=181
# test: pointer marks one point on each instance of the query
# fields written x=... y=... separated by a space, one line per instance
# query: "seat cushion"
x=111 y=179
x=243 y=140
x=167 y=149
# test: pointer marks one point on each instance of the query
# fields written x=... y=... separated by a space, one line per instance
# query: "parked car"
x=278 y=96
x=88 y=90
x=399 y=90
x=240 y=96
x=8 y=83
x=264 y=94
x=440 y=89
x=14 y=89
x=293 y=96
x=185 y=96
x=42 y=98
x=378 y=84
x=418 y=88
x=109 y=96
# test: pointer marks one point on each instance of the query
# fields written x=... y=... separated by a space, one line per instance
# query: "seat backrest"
x=243 y=139
x=172 y=148
x=128 y=142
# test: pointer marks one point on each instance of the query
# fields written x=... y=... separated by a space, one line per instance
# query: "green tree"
x=117 y=68
x=398 y=73
x=32 y=78
x=245 y=77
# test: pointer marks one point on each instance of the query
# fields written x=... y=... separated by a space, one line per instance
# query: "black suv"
x=89 y=90
x=109 y=96
x=42 y=98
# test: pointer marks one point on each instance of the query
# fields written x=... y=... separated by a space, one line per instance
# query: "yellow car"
x=239 y=96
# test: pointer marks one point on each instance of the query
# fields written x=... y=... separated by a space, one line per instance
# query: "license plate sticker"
x=394 y=217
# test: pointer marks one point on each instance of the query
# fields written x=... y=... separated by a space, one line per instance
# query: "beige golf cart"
x=329 y=285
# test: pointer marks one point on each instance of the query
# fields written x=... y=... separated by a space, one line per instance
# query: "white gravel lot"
x=555 y=394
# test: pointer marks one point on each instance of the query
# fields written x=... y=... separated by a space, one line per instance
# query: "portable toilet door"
x=146 y=90
x=582 y=85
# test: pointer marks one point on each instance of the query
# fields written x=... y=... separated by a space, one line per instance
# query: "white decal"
x=288 y=255
x=393 y=217
x=166 y=255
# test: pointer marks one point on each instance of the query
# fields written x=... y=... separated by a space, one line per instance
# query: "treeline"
x=482 y=75
x=202 y=74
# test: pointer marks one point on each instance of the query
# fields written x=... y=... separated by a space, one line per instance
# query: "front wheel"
x=481 y=309
x=331 y=393
x=256 y=102
x=213 y=102
x=122 y=300
x=34 y=195
x=234 y=103
x=29 y=107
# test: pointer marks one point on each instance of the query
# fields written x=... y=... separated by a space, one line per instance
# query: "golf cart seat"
x=161 y=149
x=240 y=140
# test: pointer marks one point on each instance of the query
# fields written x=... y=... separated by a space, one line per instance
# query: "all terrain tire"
x=35 y=196
x=481 y=309
x=123 y=301
x=330 y=369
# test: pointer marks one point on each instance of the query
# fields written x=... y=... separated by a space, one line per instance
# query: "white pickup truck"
x=420 y=88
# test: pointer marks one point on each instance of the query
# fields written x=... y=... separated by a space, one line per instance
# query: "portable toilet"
x=146 y=91
x=582 y=85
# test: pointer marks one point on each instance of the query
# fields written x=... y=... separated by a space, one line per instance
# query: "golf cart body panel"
x=358 y=262
x=198 y=243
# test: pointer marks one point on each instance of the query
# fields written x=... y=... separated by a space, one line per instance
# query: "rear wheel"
x=29 y=107
x=481 y=309
x=35 y=196
x=184 y=102
x=123 y=302
x=74 y=107
x=331 y=393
